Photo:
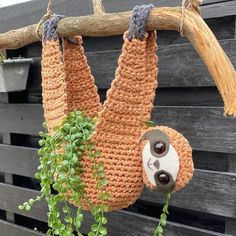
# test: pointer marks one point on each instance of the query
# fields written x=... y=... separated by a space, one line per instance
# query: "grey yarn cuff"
x=138 y=21
x=50 y=28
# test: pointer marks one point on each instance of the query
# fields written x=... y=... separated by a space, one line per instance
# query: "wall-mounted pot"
x=14 y=74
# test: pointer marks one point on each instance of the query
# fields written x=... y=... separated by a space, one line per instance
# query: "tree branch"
x=98 y=7
x=165 y=18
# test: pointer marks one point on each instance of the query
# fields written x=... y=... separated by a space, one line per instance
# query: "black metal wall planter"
x=14 y=74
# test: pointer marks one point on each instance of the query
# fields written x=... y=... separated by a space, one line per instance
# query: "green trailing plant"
x=150 y=123
x=60 y=169
x=162 y=222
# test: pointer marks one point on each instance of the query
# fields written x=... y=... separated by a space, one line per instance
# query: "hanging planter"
x=97 y=156
x=14 y=74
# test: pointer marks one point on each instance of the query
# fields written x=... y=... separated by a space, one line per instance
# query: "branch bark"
x=165 y=18
x=98 y=7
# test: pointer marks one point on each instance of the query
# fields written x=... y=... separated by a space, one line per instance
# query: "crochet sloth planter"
x=131 y=153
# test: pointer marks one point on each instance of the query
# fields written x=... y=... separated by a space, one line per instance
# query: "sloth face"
x=167 y=159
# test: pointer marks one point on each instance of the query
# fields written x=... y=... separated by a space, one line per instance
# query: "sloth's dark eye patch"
x=163 y=178
x=159 y=147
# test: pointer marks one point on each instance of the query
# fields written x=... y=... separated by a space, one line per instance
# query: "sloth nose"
x=156 y=164
x=163 y=178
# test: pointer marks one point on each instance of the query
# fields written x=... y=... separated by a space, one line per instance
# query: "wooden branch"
x=165 y=18
x=193 y=5
x=98 y=7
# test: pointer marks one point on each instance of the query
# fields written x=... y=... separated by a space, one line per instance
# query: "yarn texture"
x=68 y=84
x=128 y=105
x=67 y=81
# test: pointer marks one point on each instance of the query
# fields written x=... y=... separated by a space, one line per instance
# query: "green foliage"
x=60 y=168
x=150 y=123
x=162 y=222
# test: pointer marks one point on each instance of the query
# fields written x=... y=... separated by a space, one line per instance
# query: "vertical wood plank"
x=235 y=27
x=6 y=139
x=230 y=224
x=232 y=163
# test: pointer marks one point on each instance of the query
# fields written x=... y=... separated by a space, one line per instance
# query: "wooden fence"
x=187 y=100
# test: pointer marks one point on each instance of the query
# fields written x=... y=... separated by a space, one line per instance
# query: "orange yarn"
x=129 y=102
x=81 y=91
x=68 y=84
x=54 y=85
x=128 y=105
x=64 y=89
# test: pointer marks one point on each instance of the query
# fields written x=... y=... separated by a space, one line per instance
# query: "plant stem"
x=162 y=220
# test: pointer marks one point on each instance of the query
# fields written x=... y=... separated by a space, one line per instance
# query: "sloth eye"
x=159 y=147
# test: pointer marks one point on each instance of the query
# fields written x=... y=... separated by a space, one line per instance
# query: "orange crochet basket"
x=121 y=133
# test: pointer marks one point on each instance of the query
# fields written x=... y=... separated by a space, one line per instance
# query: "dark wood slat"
x=193 y=96
x=8 y=178
x=165 y=96
x=24 y=161
x=219 y=10
x=79 y=7
x=31 y=12
x=120 y=223
x=205 y=127
x=204 y=192
x=22 y=118
x=18 y=160
x=230 y=226
x=235 y=27
x=126 y=223
x=18 y=196
x=209 y=192
x=115 y=6
x=186 y=70
x=8 y=229
x=206 y=2
x=232 y=163
x=207 y=12
x=212 y=161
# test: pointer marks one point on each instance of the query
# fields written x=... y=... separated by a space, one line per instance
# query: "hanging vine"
x=60 y=171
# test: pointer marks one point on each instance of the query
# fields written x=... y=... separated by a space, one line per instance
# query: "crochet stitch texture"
x=68 y=84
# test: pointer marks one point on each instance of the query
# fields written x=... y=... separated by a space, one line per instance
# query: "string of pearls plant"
x=60 y=168
x=162 y=222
